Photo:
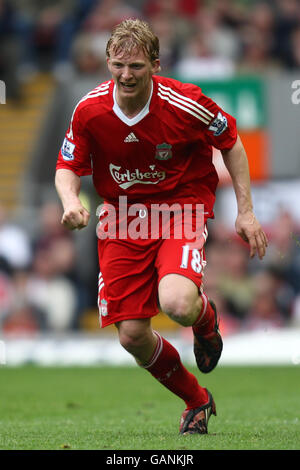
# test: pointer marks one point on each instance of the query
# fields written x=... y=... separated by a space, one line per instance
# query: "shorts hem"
x=117 y=318
x=196 y=281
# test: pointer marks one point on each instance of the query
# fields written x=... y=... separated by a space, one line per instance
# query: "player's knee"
x=132 y=340
x=179 y=308
x=130 y=343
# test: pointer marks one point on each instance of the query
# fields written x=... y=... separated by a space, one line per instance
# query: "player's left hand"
x=249 y=229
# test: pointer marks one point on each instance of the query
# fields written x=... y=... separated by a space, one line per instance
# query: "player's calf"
x=138 y=338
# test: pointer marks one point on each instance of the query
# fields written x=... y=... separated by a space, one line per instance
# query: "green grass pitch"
x=258 y=408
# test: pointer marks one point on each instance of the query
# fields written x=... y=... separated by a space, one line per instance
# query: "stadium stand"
x=19 y=126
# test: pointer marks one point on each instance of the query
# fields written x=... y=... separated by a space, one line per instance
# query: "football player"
x=149 y=139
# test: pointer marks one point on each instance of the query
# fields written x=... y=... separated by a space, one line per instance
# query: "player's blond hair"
x=133 y=35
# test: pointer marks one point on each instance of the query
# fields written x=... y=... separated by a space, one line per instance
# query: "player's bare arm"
x=67 y=184
x=247 y=225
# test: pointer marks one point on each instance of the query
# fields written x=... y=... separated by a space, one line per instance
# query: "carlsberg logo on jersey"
x=127 y=178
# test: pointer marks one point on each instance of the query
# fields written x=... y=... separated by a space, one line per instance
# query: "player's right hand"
x=250 y=230
x=76 y=217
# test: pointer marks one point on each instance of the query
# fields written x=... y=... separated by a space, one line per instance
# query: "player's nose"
x=126 y=73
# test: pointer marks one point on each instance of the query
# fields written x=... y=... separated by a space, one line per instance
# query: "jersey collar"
x=131 y=121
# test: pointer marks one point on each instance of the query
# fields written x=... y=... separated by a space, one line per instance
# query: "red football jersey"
x=162 y=155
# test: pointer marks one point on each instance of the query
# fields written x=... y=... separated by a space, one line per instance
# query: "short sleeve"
x=221 y=131
x=75 y=152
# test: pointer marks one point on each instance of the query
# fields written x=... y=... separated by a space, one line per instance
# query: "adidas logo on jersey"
x=131 y=138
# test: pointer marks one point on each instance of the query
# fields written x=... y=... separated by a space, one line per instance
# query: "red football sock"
x=206 y=320
x=165 y=365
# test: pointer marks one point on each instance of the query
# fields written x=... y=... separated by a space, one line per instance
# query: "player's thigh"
x=177 y=256
x=180 y=271
x=127 y=281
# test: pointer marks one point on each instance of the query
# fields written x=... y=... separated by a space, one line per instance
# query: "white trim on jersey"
x=185 y=103
x=100 y=90
x=186 y=98
x=131 y=122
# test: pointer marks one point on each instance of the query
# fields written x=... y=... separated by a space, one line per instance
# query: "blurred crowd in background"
x=42 y=287
x=196 y=36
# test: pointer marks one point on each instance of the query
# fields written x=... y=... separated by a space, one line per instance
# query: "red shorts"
x=130 y=271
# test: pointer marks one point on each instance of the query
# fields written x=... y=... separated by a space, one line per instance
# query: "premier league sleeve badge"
x=218 y=125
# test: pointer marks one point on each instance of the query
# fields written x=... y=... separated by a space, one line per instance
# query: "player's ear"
x=156 y=66
x=108 y=63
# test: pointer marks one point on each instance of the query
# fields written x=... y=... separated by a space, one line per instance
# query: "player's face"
x=132 y=73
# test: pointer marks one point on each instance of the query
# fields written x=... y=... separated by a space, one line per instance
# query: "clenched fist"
x=75 y=217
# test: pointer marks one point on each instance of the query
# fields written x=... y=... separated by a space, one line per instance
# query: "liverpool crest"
x=163 y=151
x=103 y=307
